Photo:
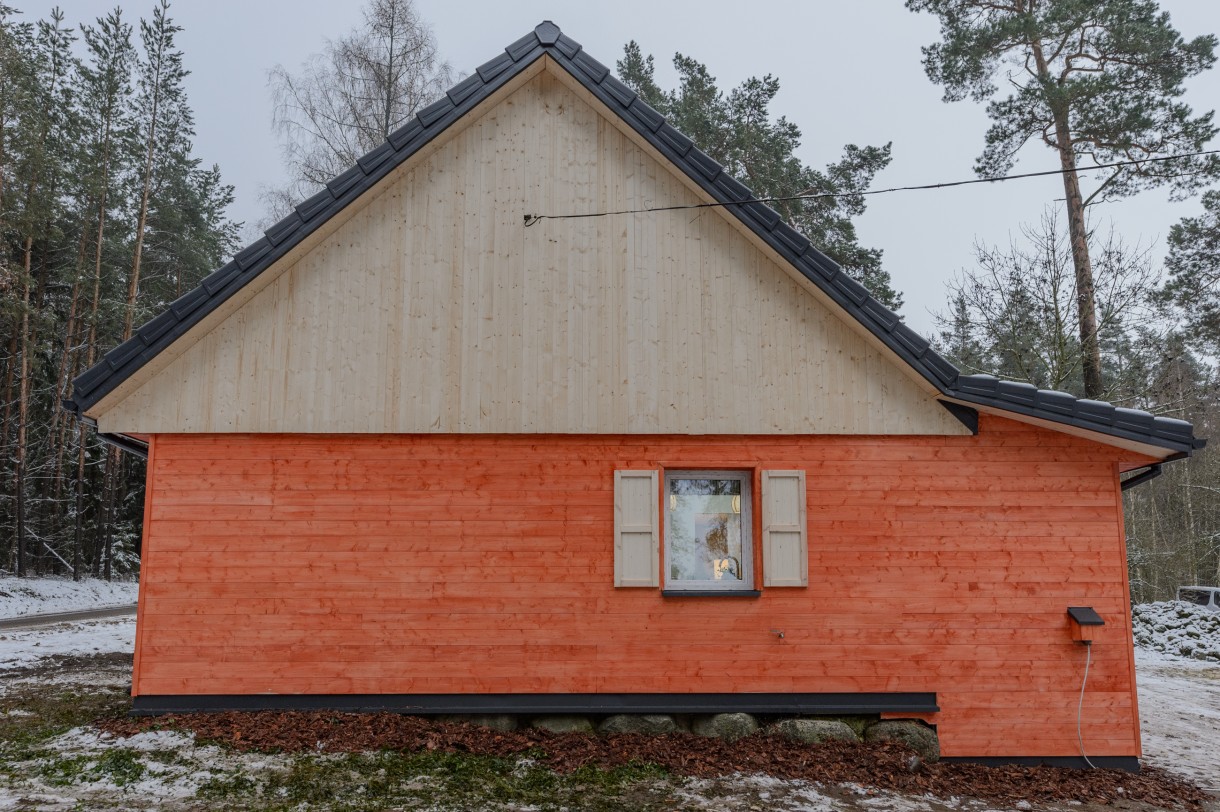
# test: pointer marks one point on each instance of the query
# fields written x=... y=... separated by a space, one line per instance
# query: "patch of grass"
x=63 y=770
x=121 y=765
x=364 y=782
x=47 y=711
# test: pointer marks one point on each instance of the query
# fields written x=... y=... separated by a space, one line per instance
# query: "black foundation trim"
x=814 y=704
x=1129 y=764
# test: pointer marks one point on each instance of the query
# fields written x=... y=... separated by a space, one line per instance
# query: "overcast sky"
x=849 y=72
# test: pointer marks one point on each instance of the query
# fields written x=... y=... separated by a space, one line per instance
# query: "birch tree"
x=345 y=100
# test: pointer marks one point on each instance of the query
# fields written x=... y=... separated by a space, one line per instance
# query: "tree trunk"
x=1086 y=309
x=23 y=407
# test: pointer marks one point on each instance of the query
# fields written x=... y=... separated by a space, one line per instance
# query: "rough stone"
x=504 y=722
x=920 y=738
x=650 y=724
x=727 y=726
x=563 y=724
x=812 y=731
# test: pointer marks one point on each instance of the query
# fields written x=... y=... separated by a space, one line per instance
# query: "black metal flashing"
x=547 y=39
x=1149 y=473
x=967 y=416
x=125 y=443
x=1085 y=616
x=1129 y=764
x=425 y=704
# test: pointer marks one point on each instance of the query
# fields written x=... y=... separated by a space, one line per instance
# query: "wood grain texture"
x=459 y=563
x=434 y=310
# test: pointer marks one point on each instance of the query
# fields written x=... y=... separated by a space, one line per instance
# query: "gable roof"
x=546 y=39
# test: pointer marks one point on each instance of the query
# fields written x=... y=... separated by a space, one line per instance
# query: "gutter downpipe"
x=1149 y=473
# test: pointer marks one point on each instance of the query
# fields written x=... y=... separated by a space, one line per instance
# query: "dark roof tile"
x=983 y=385
x=345 y=181
x=731 y=187
x=522 y=47
x=853 y=289
x=464 y=89
x=762 y=214
x=704 y=163
x=188 y=302
x=887 y=319
x=123 y=353
x=494 y=67
x=88 y=380
x=567 y=46
x=945 y=372
x=435 y=112
x=404 y=135
x=547 y=32
x=643 y=113
x=914 y=343
x=675 y=140
x=1055 y=401
x=1016 y=392
x=315 y=205
x=216 y=280
x=1096 y=410
x=156 y=328
x=790 y=238
x=284 y=228
x=369 y=162
x=592 y=68
x=1133 y=419
x=252 y=253
x=618 y=91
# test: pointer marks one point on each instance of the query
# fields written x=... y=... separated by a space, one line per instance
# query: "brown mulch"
x=887 y=765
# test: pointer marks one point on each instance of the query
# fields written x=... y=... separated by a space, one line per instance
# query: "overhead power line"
x=531 y=219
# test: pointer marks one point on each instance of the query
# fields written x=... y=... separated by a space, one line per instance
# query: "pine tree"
x=1097 y=82
x=738 y=131
x=1194 y=273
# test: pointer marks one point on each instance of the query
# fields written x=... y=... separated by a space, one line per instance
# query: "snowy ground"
x=36 y=596
x=23 y=648
x=1179 y=702
x=82 y=769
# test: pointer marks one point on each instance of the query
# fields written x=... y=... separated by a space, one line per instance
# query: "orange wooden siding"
x=484 y=563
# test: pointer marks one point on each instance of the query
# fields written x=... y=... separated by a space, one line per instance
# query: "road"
x=34 y=621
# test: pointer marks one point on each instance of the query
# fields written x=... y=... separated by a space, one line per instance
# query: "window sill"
x=711 y=593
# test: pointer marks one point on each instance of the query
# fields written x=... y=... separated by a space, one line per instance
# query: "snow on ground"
x=25 y=647
x=1179 y=701
x=157 y=770
x=1175 y=627
x=36 y=596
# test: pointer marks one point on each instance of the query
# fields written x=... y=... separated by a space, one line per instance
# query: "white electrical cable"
x=1088 y=658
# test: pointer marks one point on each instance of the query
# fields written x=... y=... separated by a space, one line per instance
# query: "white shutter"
x=784 y=529
x=636 y=536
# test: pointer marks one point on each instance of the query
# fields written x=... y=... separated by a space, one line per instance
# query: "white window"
x=708 y=545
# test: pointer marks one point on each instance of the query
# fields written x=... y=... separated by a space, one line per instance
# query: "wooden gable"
x=432 y=308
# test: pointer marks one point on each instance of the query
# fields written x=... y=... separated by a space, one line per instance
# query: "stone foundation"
x=730 y=726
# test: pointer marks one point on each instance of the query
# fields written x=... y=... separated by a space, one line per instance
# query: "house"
x=417 y=449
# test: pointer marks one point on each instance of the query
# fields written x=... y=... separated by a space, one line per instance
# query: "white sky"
x=849 y=71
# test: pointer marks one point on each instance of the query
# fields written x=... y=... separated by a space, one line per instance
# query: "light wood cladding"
x=434 y=309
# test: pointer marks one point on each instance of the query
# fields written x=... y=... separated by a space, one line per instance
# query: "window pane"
x=704 y=530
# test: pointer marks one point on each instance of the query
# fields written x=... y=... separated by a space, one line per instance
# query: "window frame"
x=746 y=584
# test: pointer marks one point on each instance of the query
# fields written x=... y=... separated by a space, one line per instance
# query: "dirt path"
x=1180 y=717
x=34 y=621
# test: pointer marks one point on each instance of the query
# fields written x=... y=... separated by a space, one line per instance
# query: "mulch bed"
x=885 y=765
